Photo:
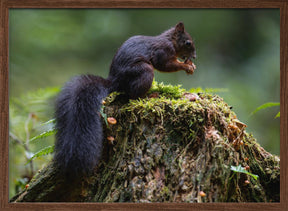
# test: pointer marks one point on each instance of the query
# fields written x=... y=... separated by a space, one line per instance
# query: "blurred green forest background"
x=238 y=50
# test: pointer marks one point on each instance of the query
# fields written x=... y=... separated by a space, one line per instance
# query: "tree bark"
x=168 y=148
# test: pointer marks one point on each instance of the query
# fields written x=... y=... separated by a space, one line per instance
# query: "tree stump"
x=172 y=146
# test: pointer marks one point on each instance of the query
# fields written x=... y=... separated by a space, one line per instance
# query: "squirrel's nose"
x=194 y=55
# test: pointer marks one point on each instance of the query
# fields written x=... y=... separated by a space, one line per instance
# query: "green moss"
x=166 y=90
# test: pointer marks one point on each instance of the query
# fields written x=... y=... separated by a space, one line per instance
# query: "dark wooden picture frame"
x=282 y=5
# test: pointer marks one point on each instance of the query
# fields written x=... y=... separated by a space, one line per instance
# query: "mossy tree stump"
x=172 y=146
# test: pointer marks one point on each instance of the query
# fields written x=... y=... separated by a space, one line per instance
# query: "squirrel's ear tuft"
x=179 y=27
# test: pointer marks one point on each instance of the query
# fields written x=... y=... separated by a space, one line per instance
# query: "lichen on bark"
x=172 y=146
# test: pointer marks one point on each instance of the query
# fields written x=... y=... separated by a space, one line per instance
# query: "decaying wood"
x=169 y=148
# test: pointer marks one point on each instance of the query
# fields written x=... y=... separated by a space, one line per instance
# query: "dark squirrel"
x=79 y=134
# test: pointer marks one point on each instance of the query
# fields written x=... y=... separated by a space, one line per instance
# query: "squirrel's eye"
x=188 y=43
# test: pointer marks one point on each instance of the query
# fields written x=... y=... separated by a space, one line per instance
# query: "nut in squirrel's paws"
x=191 y=69
x=191 y=66
x=194 y=66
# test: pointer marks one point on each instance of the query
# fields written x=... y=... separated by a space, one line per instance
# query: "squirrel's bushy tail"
x=79 y=135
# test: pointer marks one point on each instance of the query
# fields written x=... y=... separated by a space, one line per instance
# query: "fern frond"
x=265 y=105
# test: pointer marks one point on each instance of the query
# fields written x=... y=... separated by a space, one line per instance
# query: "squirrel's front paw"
x=194 y=66
x=191 y=68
